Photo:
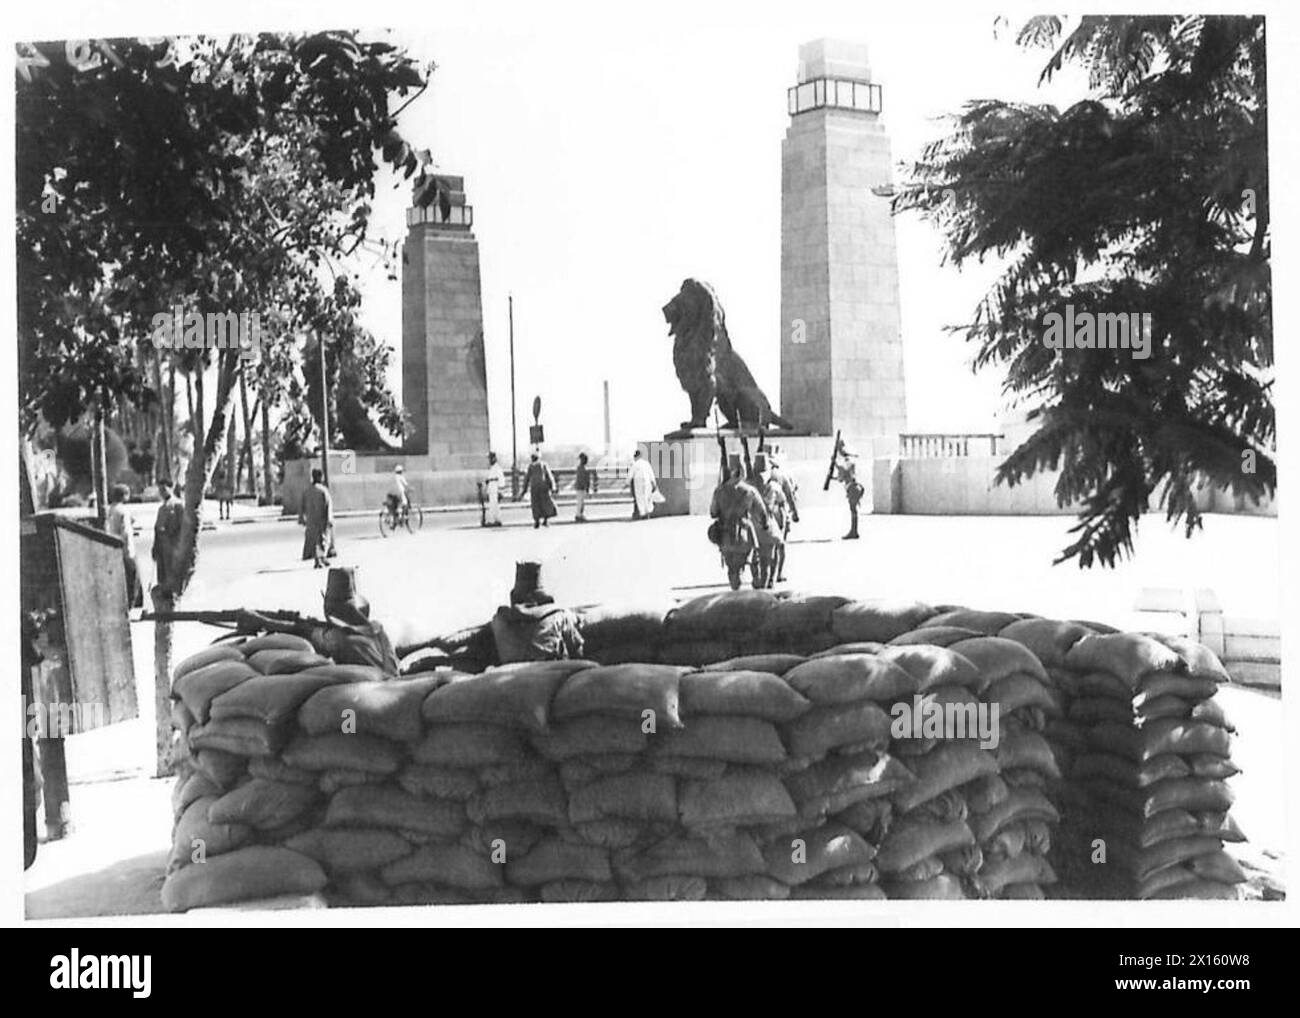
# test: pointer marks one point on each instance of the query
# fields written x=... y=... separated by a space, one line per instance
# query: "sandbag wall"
x=1147 y=751
x=740 y=745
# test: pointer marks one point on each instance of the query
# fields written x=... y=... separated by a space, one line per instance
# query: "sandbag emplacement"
x=739 y=746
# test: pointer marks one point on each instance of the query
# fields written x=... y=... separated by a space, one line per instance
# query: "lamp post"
x=607 y=417
x=514 y=431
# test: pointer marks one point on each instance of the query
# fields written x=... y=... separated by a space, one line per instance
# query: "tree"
x=161 y=172
x=1151 y=197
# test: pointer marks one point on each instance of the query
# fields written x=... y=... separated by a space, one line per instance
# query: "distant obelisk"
x=841 y=341
x=444 y=379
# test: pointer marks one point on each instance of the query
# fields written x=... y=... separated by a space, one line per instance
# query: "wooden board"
x=92 y=581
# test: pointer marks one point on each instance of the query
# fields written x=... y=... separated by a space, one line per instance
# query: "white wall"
x=964 y=485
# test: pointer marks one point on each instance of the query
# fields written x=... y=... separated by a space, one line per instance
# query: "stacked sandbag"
x=877 y=621
x=1013 y=813
x=1147 y=784
x=1050 y=640
x=619 y=633
x=234 y=710
x=930 y=850
x=714 y=627
x=277 y=742
x=568 y=781
x=842 y=775
x=724 y=756
x=559 y=781
x=799 y=623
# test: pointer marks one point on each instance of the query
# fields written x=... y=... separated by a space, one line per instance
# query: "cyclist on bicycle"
x=399 y=494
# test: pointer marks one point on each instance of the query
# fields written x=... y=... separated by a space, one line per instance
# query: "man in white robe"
x=492 y=482
x=641 y=479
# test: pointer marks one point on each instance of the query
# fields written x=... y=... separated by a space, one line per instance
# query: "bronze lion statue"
x=707 y=366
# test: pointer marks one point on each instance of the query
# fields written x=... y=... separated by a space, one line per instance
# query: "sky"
x=608 y=156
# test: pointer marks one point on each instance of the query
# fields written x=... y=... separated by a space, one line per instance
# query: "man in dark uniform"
x=167 y=528
x=348 y=635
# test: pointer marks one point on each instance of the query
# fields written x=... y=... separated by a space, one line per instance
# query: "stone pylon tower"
x=841 y=342
x=444 y=378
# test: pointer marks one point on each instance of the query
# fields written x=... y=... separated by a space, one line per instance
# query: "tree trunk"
x=197 y=475
x=169 y=420
x=247 y=449
x=99 y=468
x=246 y=453
x=268 y=485
x=162 y=682
x=232 y=448
x=324 y=411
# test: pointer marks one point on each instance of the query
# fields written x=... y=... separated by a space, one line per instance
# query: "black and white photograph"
x=564 y=465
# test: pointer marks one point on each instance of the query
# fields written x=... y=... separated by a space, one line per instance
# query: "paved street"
x=453 y=572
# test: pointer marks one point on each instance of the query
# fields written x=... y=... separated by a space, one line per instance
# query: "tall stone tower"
x=841 y=342
x=444 y=377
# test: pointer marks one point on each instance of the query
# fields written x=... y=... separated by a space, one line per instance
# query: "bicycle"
x=391 y=517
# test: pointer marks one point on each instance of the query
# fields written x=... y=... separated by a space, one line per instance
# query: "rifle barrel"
x=835 y=455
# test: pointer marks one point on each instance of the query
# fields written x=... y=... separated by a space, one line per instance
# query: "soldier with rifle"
x=739 y=514
x=844 y=469
x=777 y=492
x=348 y=635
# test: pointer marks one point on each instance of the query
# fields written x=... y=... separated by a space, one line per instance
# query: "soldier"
x=775 y=475
x=348 y=635
x=740 y=514
x=846 y=474
x=532 y=627
x=778 y=498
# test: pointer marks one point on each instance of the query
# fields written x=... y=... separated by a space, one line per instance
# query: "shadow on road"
x=129 y=887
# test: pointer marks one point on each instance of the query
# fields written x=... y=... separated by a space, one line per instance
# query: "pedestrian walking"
x=493 y=481
x=644 y=486
x=225 y=494
x=121 y=526
x=540 y=483
x=584 y=484
x=317 y=515
x=167 y=528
